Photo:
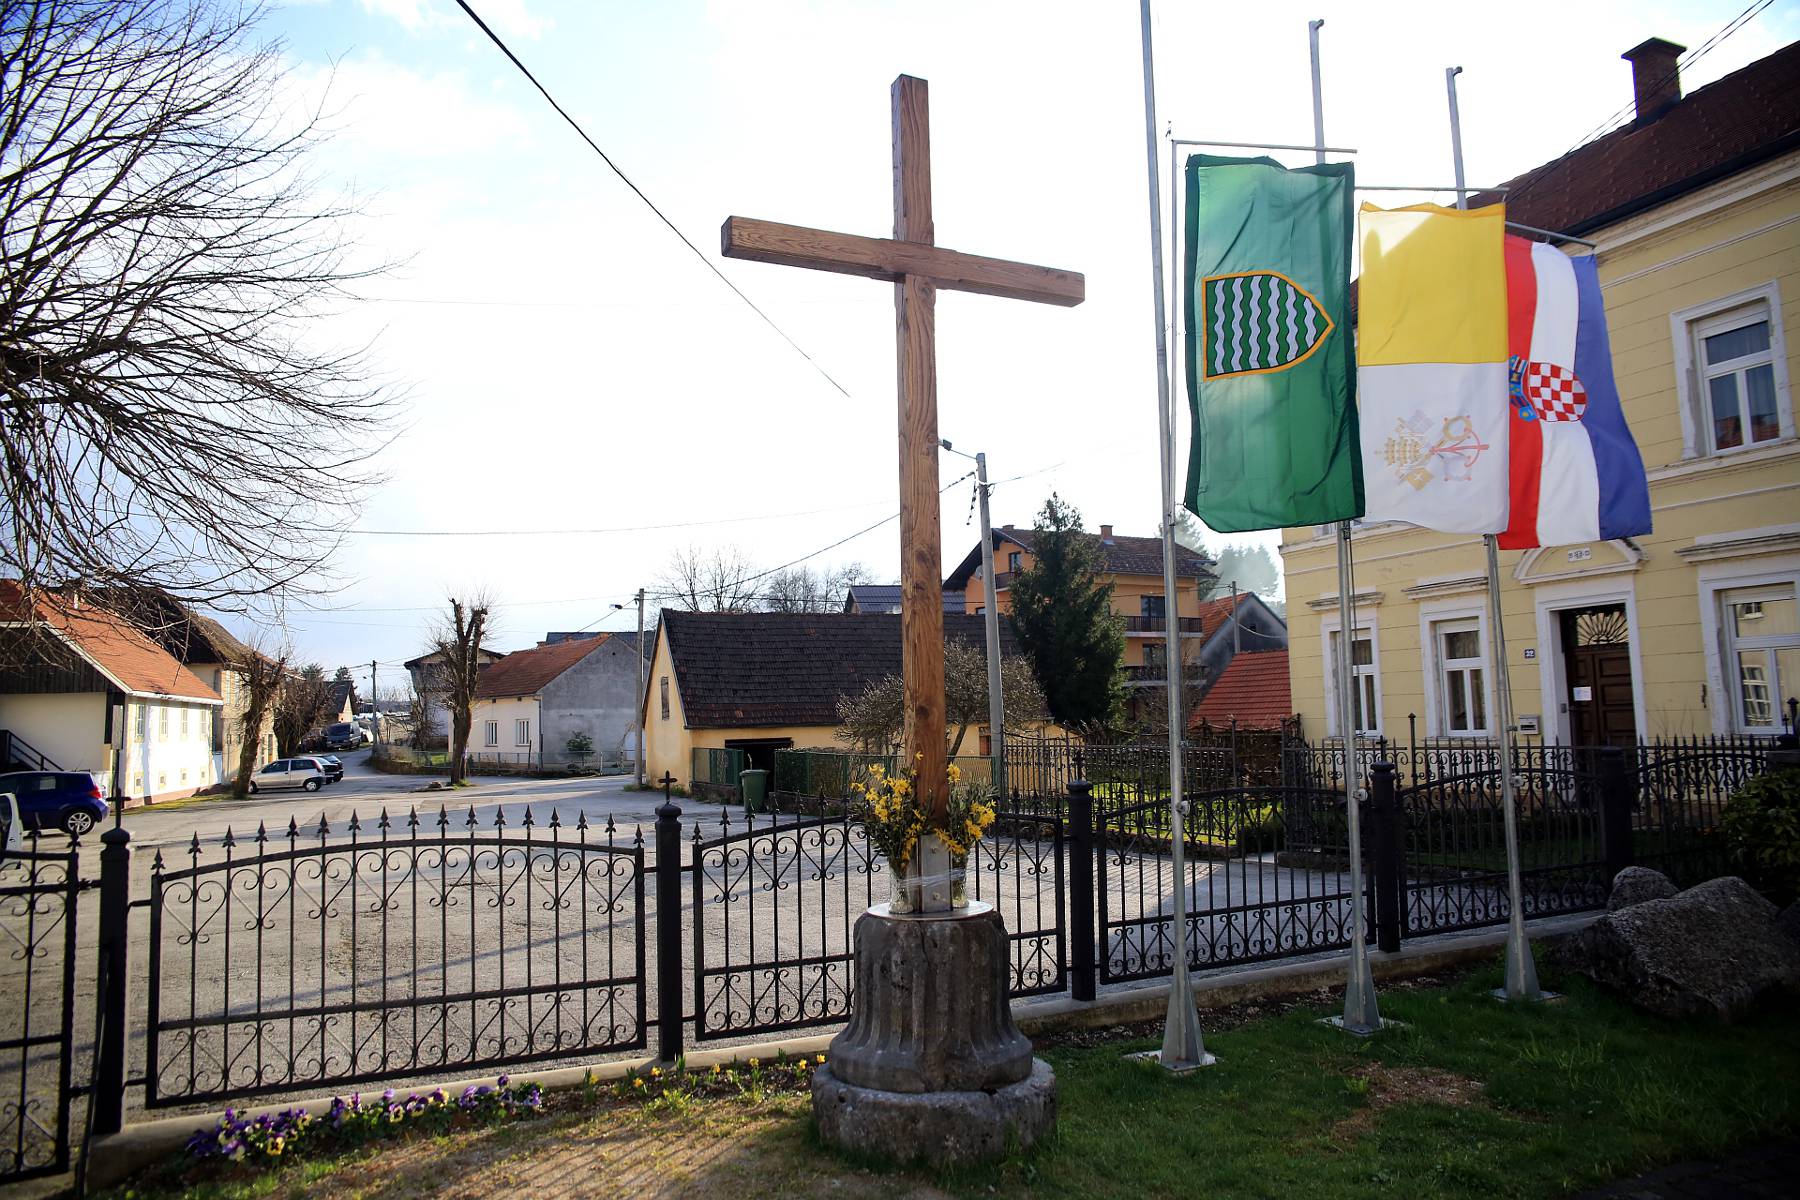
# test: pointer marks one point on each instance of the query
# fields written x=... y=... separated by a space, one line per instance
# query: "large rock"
x=1710 y=951
x=1634 y=885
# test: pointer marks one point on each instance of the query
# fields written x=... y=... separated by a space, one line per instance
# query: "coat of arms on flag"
x=1257 y=321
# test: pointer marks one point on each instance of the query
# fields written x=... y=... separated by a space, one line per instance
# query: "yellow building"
x=1694 y=208
x=1133 y=565
x=762 y=682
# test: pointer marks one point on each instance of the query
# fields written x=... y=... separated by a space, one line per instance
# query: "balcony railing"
x=1156 y=624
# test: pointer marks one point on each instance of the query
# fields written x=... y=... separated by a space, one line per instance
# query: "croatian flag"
x=1576 y=475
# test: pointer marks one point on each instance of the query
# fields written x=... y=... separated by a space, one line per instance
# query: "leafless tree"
x=263 y=678
x=872 y=720
x=716 y=580
x=162 y=387
x=301 y=704
x=457 y=642
x=418 y=717
x=802 y=589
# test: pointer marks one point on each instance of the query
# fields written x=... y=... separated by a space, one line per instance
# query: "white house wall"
x=68 y=728
x=164 y=763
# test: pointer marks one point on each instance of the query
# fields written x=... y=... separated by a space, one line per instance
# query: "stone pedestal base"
x=940 y=1128
x=931 y=1067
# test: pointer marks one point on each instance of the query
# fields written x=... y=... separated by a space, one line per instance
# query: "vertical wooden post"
x=921 y=565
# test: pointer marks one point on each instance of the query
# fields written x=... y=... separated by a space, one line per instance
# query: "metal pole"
x=643 y=704
x=375 y=703
x=1182 y=1049
x=996 y=701
x=1236 y=644
x=1362 y=1013
x=1521 y=970
x=1312 y=38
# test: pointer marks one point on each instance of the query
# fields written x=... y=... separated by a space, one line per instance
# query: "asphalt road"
x=365 y=793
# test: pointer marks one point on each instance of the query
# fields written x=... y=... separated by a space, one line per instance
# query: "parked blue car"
x=66 y=800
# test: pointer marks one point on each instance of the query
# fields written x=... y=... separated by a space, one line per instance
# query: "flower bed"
x=351 y=1122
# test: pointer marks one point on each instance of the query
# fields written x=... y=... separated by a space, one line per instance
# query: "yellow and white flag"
x=1431 y=366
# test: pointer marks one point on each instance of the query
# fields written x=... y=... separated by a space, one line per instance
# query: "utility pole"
x=375 y=704
x=996 y=700
x=638 y=775
x=1234 y=619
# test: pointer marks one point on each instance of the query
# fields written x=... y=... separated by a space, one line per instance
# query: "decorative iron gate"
x=1452 y=842
x=311 y=962
x=39 y=893
x=775 y=906
x=1248 y=897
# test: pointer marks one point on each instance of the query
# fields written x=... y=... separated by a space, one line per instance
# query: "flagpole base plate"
x=1181 y=1068
x=1543 y=997
x=1362 y=1030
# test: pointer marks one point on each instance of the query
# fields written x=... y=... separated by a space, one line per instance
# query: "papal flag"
x=1432 y=352
x=1271 y=379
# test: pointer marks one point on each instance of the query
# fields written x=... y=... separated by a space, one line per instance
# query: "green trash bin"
x=754 y=786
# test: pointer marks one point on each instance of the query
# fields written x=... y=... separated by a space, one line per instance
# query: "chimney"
x=1655 y=76
x=1106 y=534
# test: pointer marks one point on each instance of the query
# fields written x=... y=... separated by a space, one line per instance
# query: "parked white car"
x=289 y=773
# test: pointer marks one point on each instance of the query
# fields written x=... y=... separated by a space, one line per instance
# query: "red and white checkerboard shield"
x=1554 y=392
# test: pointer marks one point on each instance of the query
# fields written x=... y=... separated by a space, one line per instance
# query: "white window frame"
x=1716 y=578
x=1730 y=646
x=522 y=731
x=490 y=733
x=1687 y=326
x=184 y=722
x=1438 y=667
x=1372 y=630
x=162 y=723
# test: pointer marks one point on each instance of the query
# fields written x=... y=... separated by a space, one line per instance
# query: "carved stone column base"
x=931 y=1067
x=940 y=1128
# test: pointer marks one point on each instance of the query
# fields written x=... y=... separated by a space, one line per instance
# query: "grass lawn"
x=1472 y=1099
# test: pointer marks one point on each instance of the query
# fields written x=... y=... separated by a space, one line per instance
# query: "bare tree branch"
x=162 y=393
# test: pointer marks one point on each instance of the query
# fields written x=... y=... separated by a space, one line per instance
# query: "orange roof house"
x=82 y=689
x=1253 y=691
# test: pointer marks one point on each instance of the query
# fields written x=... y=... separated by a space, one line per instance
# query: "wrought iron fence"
x=1245 y=901
x=440 y=943
x=448 y=943
x=39 y=893
x=775 y=902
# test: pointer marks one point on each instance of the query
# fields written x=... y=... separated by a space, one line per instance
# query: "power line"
x=1685 y=62
x=626 y=179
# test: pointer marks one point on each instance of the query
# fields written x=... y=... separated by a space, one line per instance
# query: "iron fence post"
x=1081 y=889
x=668 y=925
x=1615 y=812
x=108 y=1101
x=1388 y=881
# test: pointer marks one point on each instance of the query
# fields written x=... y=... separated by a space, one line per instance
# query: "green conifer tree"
x=1062 y=611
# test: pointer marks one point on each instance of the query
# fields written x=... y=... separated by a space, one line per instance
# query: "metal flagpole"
x=1521 y=971
x=1362 y=1014
x=1182 y=1049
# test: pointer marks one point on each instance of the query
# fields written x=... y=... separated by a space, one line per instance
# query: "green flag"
x=1271 y=368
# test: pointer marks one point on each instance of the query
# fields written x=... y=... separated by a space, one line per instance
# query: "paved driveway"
x=366 y=792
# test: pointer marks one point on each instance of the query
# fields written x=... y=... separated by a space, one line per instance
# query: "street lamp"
x=996 y=704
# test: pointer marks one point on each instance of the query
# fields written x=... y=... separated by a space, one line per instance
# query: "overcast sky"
x=569 y=365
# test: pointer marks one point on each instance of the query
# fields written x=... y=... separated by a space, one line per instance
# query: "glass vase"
x=959 y=881
x=901 y=891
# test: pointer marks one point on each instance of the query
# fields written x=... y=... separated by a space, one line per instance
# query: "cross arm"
x=882 y=258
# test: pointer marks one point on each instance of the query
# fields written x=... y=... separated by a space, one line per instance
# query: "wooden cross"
x=918 y=269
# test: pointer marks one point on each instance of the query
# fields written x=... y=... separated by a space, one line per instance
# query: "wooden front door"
x=1597 y=654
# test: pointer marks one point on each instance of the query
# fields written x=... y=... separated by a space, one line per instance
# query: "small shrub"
x=1762 y=824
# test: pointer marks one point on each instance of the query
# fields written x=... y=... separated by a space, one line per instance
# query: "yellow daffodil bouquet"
x=888 y=806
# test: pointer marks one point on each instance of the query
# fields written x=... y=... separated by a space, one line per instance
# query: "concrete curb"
x=118 y=1157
